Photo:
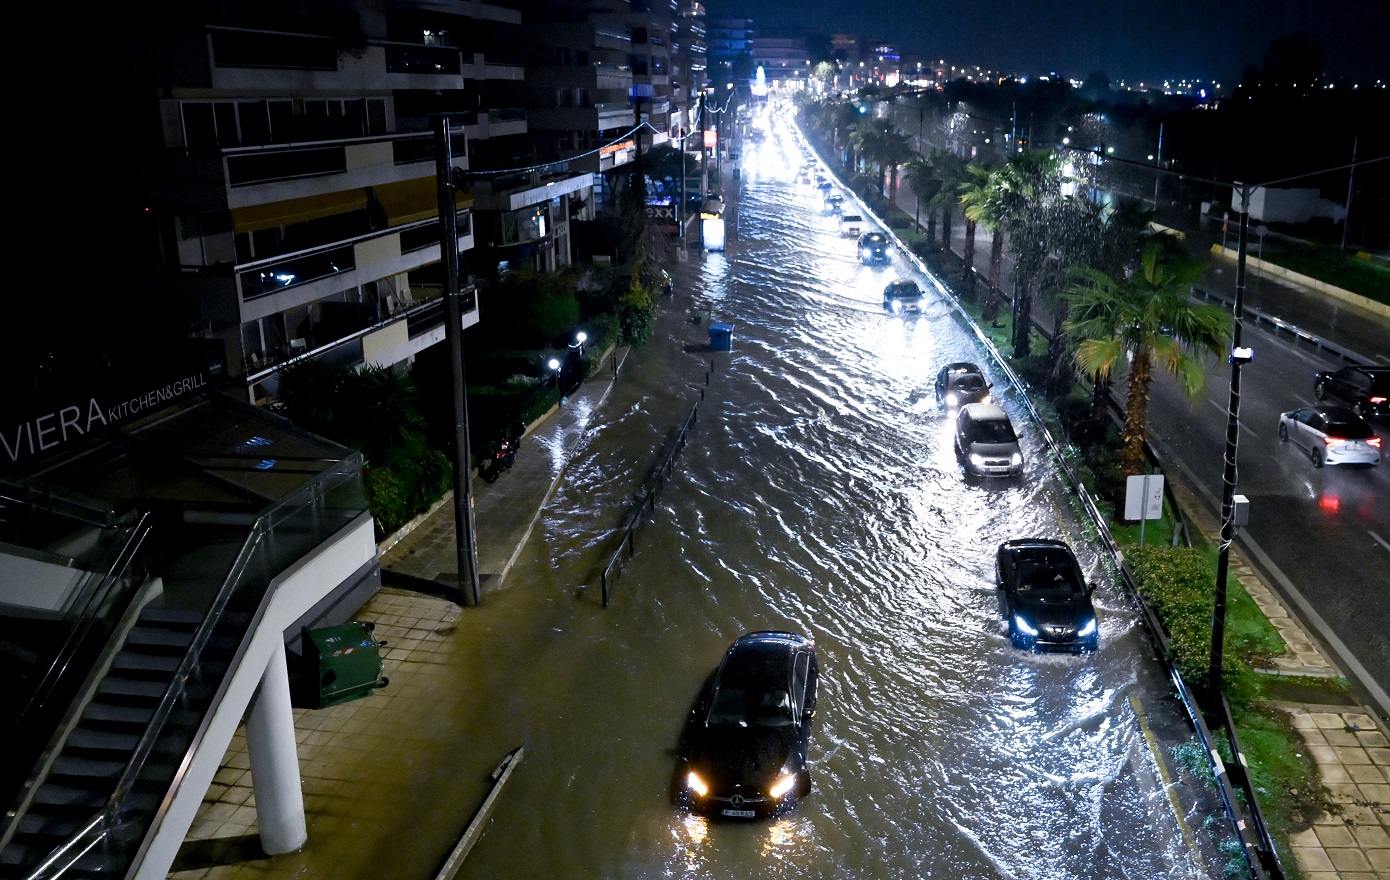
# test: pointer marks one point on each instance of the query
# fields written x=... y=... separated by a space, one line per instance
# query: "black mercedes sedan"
x=743 y=749
x=1043 y=596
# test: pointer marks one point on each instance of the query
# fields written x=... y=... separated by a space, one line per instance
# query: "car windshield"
x=993 y=431
x=1052 y=579
x=908 y=290
x=967 y=381
x=751 y=708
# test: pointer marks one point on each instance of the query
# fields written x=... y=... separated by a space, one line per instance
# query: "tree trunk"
x=945 y=232
x=931 y=230
x=1023 y=318
x=1136 y=413
x=967 y=275
x=996 y=260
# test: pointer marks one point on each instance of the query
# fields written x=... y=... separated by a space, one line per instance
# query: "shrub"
x=1178 y=582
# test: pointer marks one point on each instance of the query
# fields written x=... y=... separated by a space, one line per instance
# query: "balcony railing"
x=256 y=165
x=269 y=49
x=415 y=58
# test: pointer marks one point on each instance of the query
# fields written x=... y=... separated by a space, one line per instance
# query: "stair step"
x=177 y=617
x=57 y=794
x=105 y=740
x=112 y=712
x=119 y=685
x=133 y=660
x=151 y=636
x=74 y=767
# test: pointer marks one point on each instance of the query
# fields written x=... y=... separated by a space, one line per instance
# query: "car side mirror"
x=809 y=710
x=1090 y=588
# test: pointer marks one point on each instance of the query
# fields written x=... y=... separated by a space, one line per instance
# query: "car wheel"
x=1283 y=434
x=1356 y=408
x=1320 y=390
x=1316 y=455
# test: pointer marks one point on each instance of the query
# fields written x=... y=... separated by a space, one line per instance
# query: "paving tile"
x=1323 y=754
x=1344 y=793
x=1301 y=720
x=1365 y=774
x=1371 y=837
x=1380 y=860
x=1346 y=738
x=1335 y=835
x=1331 y=773
x=1312 y=858
x=1376 y=793
x=1352 y=755
x=1348 y=859
x=1328 y=719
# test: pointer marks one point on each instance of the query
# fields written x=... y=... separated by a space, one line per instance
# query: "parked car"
x=959 y=384
x=873 y=247
x=851 y=225
x=743 y=749
x=1365 y=389
x=1331 y=435
x=1044 y=597
x=902 y=295
x=986 y=443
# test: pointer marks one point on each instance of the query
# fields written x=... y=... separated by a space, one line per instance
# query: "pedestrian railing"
x=646 y=501
x=1278 y=327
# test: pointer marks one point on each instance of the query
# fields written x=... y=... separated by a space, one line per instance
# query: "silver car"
x=1331 y=435
x=986 y=443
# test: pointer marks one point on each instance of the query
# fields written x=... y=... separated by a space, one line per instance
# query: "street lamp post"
x=449 y=252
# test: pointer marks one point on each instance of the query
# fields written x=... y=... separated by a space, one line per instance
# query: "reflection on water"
x=820 y=495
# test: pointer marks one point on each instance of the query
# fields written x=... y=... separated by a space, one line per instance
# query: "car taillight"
x=1374 y=441
x=1377 y=400
x=1333 y=441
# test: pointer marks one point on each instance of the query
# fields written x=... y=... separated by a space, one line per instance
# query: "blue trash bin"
x=721 y=337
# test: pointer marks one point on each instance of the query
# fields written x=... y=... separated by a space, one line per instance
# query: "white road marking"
x=1221 y=408
x=1381 y=541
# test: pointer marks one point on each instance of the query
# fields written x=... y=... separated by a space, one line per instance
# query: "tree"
x=1145 y=318
x=951 y=169
x=981 y=200
x=921 y=176
x=896 y=151
x=1030 y=200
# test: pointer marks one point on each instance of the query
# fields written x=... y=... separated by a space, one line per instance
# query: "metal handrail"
x=110 y=815
x=647 y=503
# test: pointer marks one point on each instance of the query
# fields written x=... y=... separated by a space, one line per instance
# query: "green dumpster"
x=341 y=663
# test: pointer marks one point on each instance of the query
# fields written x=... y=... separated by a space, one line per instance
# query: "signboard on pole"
x=1144 y=497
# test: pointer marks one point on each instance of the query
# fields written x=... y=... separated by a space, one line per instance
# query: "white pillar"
x=270 y=744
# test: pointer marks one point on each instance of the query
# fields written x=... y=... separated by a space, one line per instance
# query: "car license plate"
x=738 y=814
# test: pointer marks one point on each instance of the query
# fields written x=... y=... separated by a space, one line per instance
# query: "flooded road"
x=819 y=494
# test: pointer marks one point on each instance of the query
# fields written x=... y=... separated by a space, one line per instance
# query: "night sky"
x=1129 y=40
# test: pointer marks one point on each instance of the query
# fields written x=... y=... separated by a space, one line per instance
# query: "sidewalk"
x=340 y=748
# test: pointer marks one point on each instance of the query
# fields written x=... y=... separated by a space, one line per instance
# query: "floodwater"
x=819 y=494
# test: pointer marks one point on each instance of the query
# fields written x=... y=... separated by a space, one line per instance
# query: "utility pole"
x=1351 y=176
x=1239 y=357
x=1158 y=163
x=453 y=330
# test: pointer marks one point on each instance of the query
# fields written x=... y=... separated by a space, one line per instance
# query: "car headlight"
x=696 y=784
x=986 y=399
x=783 y=785
x=1088 y=629
x=952 y=399
x=1016 y=459
x=1023 y=626
x=977 y=459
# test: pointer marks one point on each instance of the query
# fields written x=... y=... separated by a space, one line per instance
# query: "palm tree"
x=1146 y=318
x=951 y=169
x=921 y=176
x=1030 y=203
x=982 y=201
x=896 y=150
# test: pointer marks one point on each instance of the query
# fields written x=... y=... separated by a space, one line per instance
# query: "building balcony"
x=517 y=191
x=598 y=117
x=600 y=75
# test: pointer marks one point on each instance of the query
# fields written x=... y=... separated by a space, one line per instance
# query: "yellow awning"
x=272 y=214
x=411 y=200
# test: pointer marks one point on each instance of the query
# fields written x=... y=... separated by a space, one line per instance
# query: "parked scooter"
x=504 y=456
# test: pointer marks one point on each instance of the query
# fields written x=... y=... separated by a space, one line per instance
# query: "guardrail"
x=1256 y=841
x=1278 y=327
x=647 y=495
